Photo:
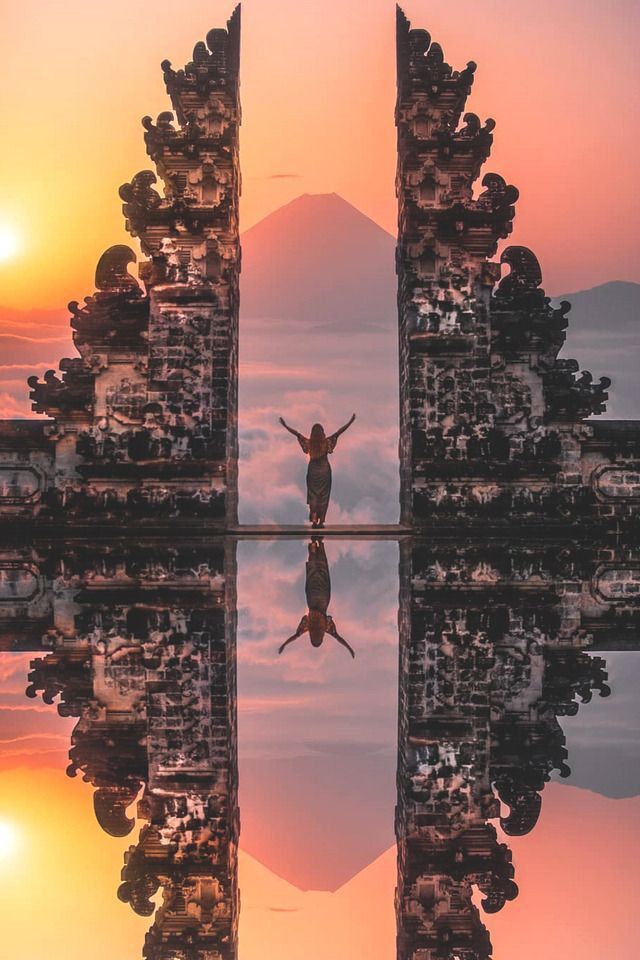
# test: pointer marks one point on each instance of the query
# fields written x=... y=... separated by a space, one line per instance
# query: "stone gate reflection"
x=139 y=644
x=141 y=647
x=495 y=648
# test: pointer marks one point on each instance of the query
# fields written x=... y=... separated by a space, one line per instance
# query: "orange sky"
x=577 y=899
x=559 y=76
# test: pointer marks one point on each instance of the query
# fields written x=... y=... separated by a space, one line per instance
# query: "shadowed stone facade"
x=493 y=424
x=496 y=646
x=144 y=422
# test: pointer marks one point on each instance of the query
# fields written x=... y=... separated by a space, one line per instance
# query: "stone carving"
x=156 y=381
x=111 y=272
x=619 y=483
x=73 y=393
x=19 y=485
x=140 y=200
x=484 y=396
x=619 y=584
x=492 y=655
x=150 y=678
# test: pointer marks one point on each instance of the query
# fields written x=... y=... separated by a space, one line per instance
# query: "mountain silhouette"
x=319 y=260
x=604 y=336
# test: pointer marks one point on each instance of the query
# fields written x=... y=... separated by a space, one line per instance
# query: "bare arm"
x=331 y=628
x=302 y=627
x=291 y=430
x=334 y=436
x=287 y=642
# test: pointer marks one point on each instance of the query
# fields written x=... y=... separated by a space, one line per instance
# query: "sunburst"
x=10 y=243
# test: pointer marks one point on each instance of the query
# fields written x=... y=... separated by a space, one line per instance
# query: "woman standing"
x=318 y=446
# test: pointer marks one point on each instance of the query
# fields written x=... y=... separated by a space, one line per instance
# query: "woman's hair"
x=317 y=440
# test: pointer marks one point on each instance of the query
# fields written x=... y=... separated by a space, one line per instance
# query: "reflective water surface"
x=395 y=781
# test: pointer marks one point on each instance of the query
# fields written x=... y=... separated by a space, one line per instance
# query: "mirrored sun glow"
x=9 y=243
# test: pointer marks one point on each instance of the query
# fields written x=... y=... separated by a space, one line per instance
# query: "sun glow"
x=10 y=244
x=9 y=837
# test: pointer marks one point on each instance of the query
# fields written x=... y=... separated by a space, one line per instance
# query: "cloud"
x=266 y=704
x=35 y=736
x=7 y=339
x=14 y=665
x=308 y=376
x=271 y=588
x=284 y=176
x=272 y=468
x=11 y=407
x=27 y=367
x=260 y=370
x=19 y=708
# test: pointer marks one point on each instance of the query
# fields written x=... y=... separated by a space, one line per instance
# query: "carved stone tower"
x=493 y=427
x=495 y=641
x=144 y=422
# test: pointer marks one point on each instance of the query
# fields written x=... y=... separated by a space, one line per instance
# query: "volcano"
x=319 y=260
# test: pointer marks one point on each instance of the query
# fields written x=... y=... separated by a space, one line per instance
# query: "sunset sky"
x=318 y=87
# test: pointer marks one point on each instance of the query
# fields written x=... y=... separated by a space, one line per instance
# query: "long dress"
x=318 y=477
x=317 y=586
x=317 y=590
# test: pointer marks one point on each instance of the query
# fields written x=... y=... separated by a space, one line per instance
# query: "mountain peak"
x=311 y=212
x=318 y=259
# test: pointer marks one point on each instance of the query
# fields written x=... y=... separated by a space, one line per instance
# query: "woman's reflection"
x=317 y=589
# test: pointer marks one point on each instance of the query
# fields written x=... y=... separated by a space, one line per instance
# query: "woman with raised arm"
x=317 y=588
x=318 y=446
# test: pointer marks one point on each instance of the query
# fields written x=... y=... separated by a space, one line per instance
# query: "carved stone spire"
x=151 y=678
x=145 y=420
x=491 y=421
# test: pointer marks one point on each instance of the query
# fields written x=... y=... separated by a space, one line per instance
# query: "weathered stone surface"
x=494 y=437
x=493 y=424
x=137 y=640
